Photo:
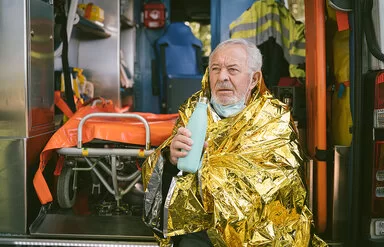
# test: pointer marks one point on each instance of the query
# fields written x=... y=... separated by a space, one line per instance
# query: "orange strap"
x=342 y=20
x=60 y=103
x=59 y=166
x=43 y=192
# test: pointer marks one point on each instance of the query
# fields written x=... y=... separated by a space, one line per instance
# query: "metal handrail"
x=122 y=115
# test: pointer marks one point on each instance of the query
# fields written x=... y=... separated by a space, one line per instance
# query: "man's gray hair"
x=253 y=53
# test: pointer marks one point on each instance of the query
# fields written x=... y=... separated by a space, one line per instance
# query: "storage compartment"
x=26 y=106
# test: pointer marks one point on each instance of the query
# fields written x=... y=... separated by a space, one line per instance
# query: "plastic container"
x=94 y=13
x=197 y=124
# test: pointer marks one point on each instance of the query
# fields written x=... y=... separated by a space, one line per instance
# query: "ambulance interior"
x=76 y=74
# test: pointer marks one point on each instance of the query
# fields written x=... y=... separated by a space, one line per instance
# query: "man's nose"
x=223 y=75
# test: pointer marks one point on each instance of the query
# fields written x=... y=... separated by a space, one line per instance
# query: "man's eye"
x=232 y=70
x=215 y=68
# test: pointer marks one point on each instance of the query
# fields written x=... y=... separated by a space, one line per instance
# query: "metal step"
x=66 y=242
x=91 y=227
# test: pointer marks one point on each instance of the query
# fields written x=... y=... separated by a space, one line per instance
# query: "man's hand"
x=180 y=145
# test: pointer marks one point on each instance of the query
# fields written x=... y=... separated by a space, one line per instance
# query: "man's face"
x=230 y=80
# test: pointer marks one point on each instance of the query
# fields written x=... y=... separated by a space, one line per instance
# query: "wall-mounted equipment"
x=154 y=15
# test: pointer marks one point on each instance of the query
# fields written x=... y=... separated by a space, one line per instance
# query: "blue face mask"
x=228 y=110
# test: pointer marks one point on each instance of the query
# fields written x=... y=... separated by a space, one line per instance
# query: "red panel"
x=379 y=91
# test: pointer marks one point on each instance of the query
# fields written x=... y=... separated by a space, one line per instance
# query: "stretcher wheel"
x=66 y=195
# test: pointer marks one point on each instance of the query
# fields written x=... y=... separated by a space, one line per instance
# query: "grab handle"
x=122 y=115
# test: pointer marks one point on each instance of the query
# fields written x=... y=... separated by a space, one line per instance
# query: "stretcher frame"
x=67 y=190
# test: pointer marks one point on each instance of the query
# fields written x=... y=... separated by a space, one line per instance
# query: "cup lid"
x=203 y=100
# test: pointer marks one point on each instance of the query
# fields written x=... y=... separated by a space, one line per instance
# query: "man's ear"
x=256 y=78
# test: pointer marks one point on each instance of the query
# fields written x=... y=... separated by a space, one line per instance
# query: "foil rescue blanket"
x=249 y=190
x=123 y=130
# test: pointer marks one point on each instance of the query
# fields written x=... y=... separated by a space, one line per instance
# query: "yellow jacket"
x=269 y=18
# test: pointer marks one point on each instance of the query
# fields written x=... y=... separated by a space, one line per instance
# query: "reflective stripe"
x=297 y=44
x=260 y=22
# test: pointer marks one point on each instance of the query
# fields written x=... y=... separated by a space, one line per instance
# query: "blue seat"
x=180 y=66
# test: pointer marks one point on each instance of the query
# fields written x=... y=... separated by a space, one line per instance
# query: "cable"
x=72 y=19
x=370 y=35
x=64 y=58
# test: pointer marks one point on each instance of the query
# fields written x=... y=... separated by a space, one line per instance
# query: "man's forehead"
x=230 y=55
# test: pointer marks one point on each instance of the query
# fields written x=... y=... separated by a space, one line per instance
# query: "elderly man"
x=249 y=190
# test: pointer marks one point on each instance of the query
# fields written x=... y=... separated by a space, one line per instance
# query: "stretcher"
x=107 y=145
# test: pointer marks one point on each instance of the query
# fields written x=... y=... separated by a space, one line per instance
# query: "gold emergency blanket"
x=249 y=190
